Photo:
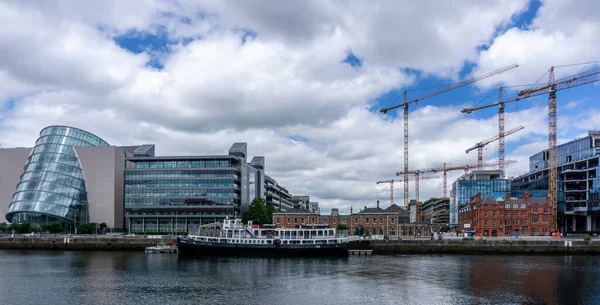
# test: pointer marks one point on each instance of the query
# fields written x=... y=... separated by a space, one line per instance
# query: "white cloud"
x=60 y=62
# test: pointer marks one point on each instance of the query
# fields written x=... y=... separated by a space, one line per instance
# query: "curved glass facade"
x=52 y=187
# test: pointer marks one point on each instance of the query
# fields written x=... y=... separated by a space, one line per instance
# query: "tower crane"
x=582 y=78
x=445 y=170
x=479 y=146
x=391 y=182
x=440 y=91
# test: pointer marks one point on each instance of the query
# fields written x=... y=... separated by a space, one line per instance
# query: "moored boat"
x=233 y=238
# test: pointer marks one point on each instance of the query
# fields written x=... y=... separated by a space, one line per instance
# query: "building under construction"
x=578 y=183
x=484 y=182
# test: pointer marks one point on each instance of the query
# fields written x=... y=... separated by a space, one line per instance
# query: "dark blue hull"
x=188 y=247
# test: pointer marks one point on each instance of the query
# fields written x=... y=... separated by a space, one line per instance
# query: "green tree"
x=3 y=227
x=34 y=228
x=341 y=227
x=103 y=226
x=256 y=211
x=270 y=211
x=21 y=228
x=86 y=228
x=55 y=227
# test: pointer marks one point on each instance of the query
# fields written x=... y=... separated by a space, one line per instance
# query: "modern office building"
x=435 y=211
x=69 y=176
x=484 y=182
x=278 y=194
x=74 y=176
x=578 y=182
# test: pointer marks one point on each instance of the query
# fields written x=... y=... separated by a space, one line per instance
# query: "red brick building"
x=525 y=216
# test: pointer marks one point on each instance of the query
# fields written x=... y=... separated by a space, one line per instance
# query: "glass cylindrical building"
x=52 y=187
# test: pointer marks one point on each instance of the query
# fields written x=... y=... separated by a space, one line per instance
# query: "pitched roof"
x=295 y=211
x=371 y=211
x=489 y=200
x=500 y=199
x=538 y=200
x=394 y=208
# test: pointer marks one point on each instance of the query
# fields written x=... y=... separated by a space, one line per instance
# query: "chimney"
x=350 y=210
x=378 y=204
x=365 y=207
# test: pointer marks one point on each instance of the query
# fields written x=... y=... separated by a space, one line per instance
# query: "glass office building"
x=52 y=187
x=485 y=182
x=578 y=183
x=176 y=194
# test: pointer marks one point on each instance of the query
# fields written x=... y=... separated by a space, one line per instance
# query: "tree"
x=3 y=227
x=270 y=211
x=86 y=228
x=55 y=227
x=34 y=228
x=102 y=226
x=359 y=230
x=341 y=227
x=21 y=228
x=256 y=211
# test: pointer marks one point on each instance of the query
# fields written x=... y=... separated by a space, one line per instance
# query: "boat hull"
x=193 y=248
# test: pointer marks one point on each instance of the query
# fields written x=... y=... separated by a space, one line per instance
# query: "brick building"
x=525 y=216
x=392 y=221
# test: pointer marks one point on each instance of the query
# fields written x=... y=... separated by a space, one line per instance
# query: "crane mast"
x=443 y=90
x=479 y=146
x=582 y=78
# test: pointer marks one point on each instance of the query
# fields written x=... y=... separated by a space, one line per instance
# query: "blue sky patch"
x=352 y=60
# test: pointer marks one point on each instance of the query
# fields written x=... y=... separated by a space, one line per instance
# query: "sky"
x=301 y=82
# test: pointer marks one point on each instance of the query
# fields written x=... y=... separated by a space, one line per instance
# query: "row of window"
x=52 y=167
x=181 y=183
x=53 y=148
x=32 y=178
x=181 y=174
x=178 y=214
x=72 y=132
x=62 y=140
x=192 y=192
x=54 y=157
x=523 y=213
x=135 y=202
x=51 y=172
x=182 y=164
x=392 y=220
x=68 y=198
x=47 y=208
x=56 y=187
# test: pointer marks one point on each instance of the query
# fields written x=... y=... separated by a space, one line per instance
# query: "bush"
x=468 y=238
x=440 y=237
x=587 y=238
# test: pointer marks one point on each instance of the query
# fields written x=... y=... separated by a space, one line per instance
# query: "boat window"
x=268 y=241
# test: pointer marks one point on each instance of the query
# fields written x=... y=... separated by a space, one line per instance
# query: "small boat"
x=233 y=238
x=162 y=248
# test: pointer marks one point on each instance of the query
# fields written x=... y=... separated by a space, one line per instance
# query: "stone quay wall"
x=81 y=242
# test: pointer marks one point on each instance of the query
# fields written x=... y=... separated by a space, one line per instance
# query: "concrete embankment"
x=81 y=243
x=480 y=246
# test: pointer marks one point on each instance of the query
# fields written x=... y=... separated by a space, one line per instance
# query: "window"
x=367 y=220
x=485 y=222
x=334 y=220
x=380 y=220
x=515 y=206
x=355 y=221
x=523 y=206
x=493 y=223
x=507 y=206
x=507 y=214
x=507 y=222
x=515 y=213
x=485 y=213
x=277 y=220
x=494 y=213
x=289 y=220
x=312 y=220
x=374 y=220
x=534 y=220
x=535 y=210
x=545 y=210
x=523 y=213
x=392 y=220
x=302 y=220
x=523 y=222
x=295 y=220
x=516 y=222
x=343 y=220
x=325 y=220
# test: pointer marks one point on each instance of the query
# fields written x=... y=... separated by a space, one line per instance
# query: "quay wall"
x=81 y=243
x=500 y=246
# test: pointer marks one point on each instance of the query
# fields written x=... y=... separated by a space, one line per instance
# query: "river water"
x=46 y=277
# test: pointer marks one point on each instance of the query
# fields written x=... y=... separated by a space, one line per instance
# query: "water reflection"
x=137 y=278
